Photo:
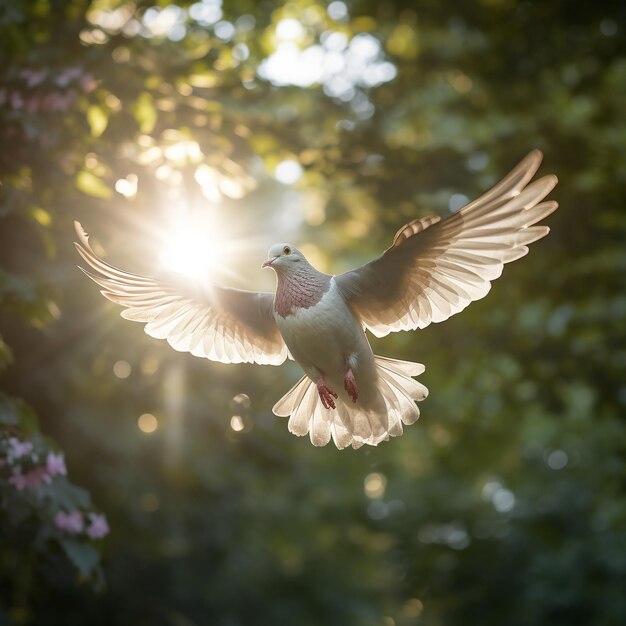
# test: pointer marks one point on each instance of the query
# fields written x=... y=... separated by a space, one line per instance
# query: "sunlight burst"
x=192 y=250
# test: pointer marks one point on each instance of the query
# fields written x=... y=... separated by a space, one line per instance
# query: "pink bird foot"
x=349 y=383
x=327 y=394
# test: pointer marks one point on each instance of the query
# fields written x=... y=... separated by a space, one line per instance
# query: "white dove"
x=433 y=269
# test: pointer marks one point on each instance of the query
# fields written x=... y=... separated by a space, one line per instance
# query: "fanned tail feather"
x=351 y=424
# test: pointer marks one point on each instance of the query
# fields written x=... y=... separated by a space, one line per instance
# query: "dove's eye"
x=286 y=250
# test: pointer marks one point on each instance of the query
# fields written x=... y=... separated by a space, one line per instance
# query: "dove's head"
x=283 y=257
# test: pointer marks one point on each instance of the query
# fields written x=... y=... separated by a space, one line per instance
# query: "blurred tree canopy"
x=329 y=124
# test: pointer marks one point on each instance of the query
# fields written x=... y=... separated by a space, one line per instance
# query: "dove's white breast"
x=326 y=338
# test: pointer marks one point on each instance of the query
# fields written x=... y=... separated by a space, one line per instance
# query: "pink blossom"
x=57 y=101
x=34 y=78
x=17 y=102
x=19 y=480
x=33 y=479
x=65 y=77
x=18 y=449
x=98 y=526
x=72 y=523
x=55 y=464
x=88 y=83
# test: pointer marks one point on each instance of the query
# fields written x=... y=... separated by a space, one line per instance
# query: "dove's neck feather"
x=299 y=289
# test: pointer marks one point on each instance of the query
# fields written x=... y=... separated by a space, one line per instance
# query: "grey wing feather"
x=217 y=323
x=435 y=268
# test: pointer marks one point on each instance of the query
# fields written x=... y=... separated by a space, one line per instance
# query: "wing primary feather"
x=434 y=269
x=227 y=325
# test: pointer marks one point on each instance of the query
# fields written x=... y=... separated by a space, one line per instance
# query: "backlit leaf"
x=145 y=113
x=98 y=119
x=92 y=185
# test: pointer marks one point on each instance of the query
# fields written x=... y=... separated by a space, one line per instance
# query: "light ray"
x=199 y=246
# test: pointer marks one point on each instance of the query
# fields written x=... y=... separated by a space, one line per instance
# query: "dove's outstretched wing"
x=221 y=324
x=435 y=268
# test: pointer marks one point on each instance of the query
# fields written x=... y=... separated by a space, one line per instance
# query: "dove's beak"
x=268 y=263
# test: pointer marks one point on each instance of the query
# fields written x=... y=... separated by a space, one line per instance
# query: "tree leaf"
x=92 y=185
x=67 y=495
x=6 y=354
x=97 y=118
x=84 y=556
x=8 y=411
x=145 y=113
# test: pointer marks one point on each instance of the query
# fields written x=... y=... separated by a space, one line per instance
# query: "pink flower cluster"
x=53 y=101
x=32 y=479
x=18 y=449
x=74 y=522
x=55 y=466
x=59 y=99
x=27 y=470
x=62 y=79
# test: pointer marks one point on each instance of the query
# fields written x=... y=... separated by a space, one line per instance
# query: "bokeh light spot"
x=289 y=29
x=457 y=201
x=413 y=608
x=288 y=172
x=608 y=27
x=122 y=369
x=377 y=509
x=149 y=365
x=127 y=187
x=374 y=485
x=477 y=161
x=225 y=31
x=147 y=423
x=337 y=10
x=557 y=459
x=236 y=423
x=503 y=500
x=242 y=400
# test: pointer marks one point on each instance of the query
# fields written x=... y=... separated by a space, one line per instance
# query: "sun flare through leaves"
x=193 y=248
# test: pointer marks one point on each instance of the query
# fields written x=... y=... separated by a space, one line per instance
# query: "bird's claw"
x=349 y=383
x=327 y=394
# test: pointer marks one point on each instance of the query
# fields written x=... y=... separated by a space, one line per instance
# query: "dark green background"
x=211 y=526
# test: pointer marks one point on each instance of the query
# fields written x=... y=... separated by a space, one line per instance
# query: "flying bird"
x=433 y=269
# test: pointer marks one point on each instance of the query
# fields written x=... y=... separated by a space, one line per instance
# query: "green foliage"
x=92 y=185
x=37 y=501
x=504 y=504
